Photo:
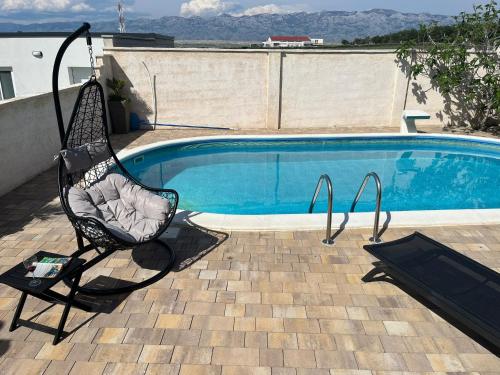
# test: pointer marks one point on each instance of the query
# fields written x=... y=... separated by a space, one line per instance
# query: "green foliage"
x=116 y=86
x=463 y=65
x=439 y=33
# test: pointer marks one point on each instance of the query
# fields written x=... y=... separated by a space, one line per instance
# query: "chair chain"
x=91 y=56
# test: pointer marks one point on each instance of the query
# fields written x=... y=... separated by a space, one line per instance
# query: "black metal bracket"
x=55 y=74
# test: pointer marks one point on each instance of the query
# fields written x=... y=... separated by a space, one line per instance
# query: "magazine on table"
x=48 y=267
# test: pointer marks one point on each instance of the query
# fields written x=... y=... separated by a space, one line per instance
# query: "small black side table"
x=15 y=278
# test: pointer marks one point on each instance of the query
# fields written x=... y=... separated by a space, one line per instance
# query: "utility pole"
x=121 y=18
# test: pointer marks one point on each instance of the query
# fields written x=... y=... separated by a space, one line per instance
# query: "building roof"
x=63 y=34
x=287 y=38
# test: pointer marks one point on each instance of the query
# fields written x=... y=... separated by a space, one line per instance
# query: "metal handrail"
x=375 y=237
x=328 y=240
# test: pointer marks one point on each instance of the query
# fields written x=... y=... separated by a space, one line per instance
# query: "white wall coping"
x=287 y=222
x=250 y=50
x=34 y=96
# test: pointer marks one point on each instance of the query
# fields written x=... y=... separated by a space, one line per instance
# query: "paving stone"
x=181 y=337
x=269 y=324
x=58 y=368
x=125 y=369
x=335 y=359
x=271 y=357
x=245 y=370
x=222 y=338
x=173 y=321
x=244 y=324
x=204 y=308
x=380 y=361
x=12 y=366
x=81 y=352
x=256 y=339
x=282 y=340
x=143 y=336
x=191 y=355
x=341 y=326
x=187 y=369
x=214 y=323
x=235 y=356
x=480 y=362
x=445 y=363
x=116 y=353
x=110 y=335
x=301 y=325
x=163 y=369
x=54 y=352
x=299 y=358
x=315 y=341
x=86 y=368
x=399 y=328
x=417 y=362
x=156 y=353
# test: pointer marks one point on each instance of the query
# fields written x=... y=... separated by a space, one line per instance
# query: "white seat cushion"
x=127 y=210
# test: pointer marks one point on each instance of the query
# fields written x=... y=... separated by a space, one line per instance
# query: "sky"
x=66 y=10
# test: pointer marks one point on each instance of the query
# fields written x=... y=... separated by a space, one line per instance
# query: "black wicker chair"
x=87 y=125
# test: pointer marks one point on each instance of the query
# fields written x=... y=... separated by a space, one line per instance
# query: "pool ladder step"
x=328 y=241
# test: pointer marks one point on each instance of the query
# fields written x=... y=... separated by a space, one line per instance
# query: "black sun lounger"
x=462 y=288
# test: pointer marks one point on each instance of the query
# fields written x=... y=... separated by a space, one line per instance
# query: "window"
x=79 y=74
x=6 y=84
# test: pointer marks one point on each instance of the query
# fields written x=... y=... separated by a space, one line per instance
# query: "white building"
x=285 y=41
x=317 y=41
x=27 y=58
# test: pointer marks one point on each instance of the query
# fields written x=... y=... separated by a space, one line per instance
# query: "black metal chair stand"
x=88 y=131
x=16 y=278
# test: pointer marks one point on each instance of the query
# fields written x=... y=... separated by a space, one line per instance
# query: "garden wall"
x=29 y=136
x=275 y=89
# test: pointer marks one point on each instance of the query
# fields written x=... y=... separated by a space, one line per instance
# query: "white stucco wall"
x=269 y=88
x=33 y=75
x=29 y=136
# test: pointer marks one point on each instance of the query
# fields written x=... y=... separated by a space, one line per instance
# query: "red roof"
x=286 y=38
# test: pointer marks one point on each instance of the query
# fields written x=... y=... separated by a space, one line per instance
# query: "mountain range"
x=333 y=26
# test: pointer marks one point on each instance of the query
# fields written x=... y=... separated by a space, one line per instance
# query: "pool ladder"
x=328 y=238
x=328 y=241
x=375 y=238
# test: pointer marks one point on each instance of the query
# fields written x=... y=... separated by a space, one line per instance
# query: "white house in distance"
x=27 y=58
x=317 y=41
x=285 y=41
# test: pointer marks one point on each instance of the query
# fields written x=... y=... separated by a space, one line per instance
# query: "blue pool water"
x=278 y=176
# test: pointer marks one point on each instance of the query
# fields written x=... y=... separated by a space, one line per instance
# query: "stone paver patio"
x=235 y=303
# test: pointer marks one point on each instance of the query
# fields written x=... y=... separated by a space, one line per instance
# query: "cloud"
x=82 y=7
x=204 y=8
x=39 y=5
x=271 y=9
x=59 y=6
x=207 y=8
x=29 y=11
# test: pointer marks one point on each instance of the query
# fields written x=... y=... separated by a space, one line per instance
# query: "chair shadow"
x=104 y=304
x=195 y=242
x=378 y=274
x=4 y=344
x=190 y=245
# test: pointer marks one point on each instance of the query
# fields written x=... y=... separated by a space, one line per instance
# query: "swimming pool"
x=277 y=175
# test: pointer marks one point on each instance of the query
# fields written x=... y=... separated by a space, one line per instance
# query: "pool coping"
x=286 y=222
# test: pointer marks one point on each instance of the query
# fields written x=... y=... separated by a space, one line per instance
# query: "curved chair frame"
x=100 y=238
